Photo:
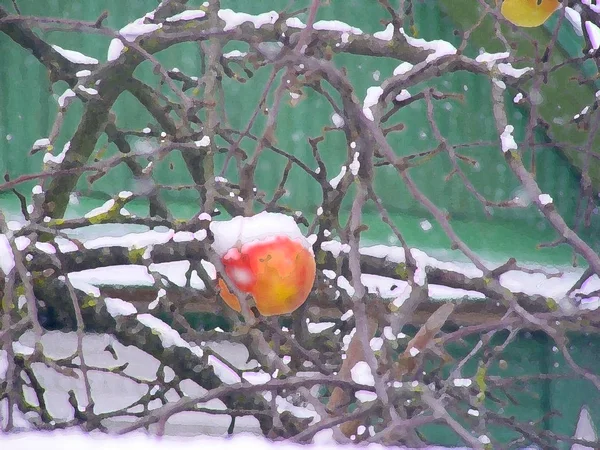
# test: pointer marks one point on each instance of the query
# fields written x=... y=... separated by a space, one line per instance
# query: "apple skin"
x=278 y=272
x=528 y=13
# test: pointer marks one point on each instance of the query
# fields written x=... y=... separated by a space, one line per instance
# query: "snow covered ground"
x=98 y=441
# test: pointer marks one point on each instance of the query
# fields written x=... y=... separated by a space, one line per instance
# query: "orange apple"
x=278 y=272
x=528 y=13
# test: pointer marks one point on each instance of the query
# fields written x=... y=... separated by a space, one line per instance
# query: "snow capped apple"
x=267 y=256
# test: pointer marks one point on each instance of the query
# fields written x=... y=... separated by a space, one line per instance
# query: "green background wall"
x=28 y=108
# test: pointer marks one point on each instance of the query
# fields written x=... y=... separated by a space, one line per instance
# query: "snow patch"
x=354 y=166
x=115 y=49
x=575 y=19
x=58 y=159
x=204 y=142
x=490 y=59
x=361 y=374
x=117 y=307
x=40 y=143
x=234 y=19
x=187 y=15
x=403 y=95
x=440 y=48
x=336 y=25
x=225 y=373
x=385 y=35
x=133 y=30
x=508 y=70
x=545 y=199
x=246 y=230
x=294 y=22
x=74 y=56
x=403 y=68
x=338 y=121
x=371 y=99
x=168 y=336
x=507 y=139
x=62 y=100
x=593 y=33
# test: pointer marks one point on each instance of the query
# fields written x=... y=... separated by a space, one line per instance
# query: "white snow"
x=168 y=336
x=545 y=199
x=371 y=99
x=361 y=374
x=329 y=274
x=336 y=25
x=256 y=377
x=117 y=307
x=507 y=139
x=585 y=429
x=187 y=15
x=403 y=95
x=403 y=68
x=284 y=405
x=365 y=396
x=347 y=315
x=501 y=84
x=84 y=286
x=204 y=142
x=7 y=259
x=344 y=284
x=115 y=49
x=234 y=54
x=137 y=28
x=508 y=70
x=100 y=210
x=247 y=230
x=490 y=59
x=336 y=180
x=22 y=242
x=338 y=121
x=90 y=91
x=225 y=373
x=317 y=328
x=593 y=33
x=403 y=295
x=440 y=48
x=354 y=166
x=376 y=343
x=40 y=143
x=462 y=382
x=63 y=99
x=46 y=247
x=83 y=73
x=234 y=19
x=575 y=19
x=518 y=98
x=50 y=158
x=294 y=22
x=385 y=35
x=74 y=56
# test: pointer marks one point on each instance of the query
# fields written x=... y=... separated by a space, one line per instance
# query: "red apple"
x=278 y=272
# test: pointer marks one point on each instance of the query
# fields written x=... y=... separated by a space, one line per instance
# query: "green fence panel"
x=28 y=108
